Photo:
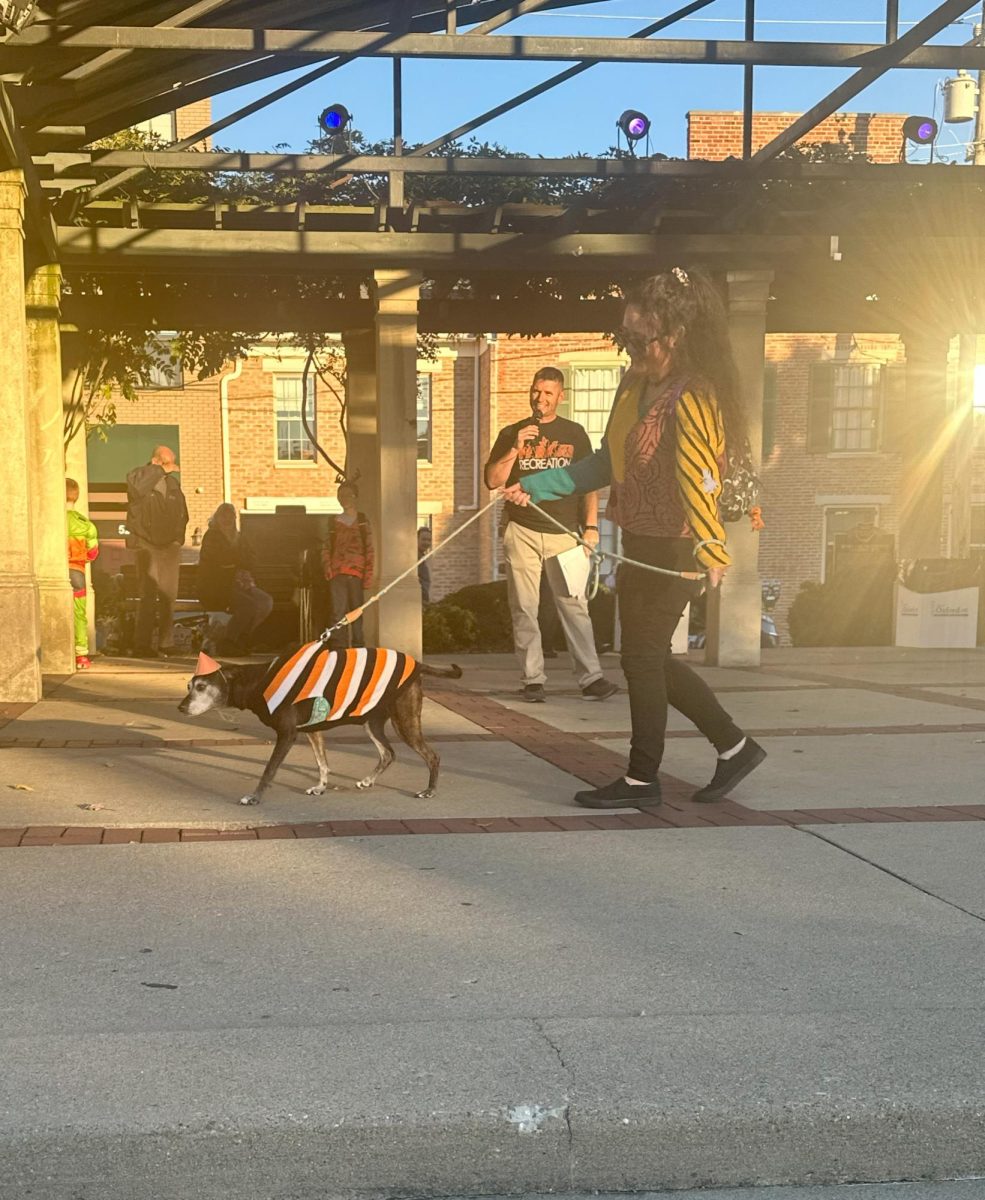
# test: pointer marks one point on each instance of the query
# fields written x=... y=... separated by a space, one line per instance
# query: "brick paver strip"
x=567 y=751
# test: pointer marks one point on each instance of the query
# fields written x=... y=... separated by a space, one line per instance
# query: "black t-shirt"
x=561 y=443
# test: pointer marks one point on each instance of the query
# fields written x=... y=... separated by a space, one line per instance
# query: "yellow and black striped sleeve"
x=700 y=445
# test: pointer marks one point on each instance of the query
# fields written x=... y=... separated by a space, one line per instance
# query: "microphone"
x=531 y=442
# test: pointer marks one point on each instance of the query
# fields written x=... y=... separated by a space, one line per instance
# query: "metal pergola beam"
x=113 y=101
x=508 y=315
x=69 y=165
x=548 y=85
x=314 y=251
x=39 y=43
x=14 y=153
x=890 y=56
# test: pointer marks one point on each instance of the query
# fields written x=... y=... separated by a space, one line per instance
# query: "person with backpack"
x=347 y=559
x=675 y=418
x=157 y=517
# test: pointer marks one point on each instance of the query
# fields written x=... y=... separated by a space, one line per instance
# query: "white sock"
x=636 y=782
x=733 y=752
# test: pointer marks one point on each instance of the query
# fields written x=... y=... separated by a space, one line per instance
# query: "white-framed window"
x=842 y=521
x=845 y=409
x=165 y=373
x=591 y=388
x=855 y=407
x=293 y=444
x=424 y=411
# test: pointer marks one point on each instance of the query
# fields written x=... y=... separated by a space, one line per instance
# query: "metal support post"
x=396 y=191
x=748 y=84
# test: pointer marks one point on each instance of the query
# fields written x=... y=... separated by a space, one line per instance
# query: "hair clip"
x=681 y=276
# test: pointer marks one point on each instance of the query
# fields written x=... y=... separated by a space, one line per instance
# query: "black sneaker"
x=533 y=693
x=620 y=794
x=731 y=771
x=599 y=689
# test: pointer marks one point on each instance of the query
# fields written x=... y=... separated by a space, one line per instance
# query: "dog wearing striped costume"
x=314 y=690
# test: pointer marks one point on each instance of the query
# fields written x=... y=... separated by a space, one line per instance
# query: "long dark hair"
x=690 y=301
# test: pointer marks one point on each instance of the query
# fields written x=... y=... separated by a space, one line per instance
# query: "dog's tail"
x=452 y=672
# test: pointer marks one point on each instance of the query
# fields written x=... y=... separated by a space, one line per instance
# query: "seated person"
x=225 y=583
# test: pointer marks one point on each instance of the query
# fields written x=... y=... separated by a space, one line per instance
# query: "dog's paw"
x=425 y=795
x=321 y=788
x=365 y=784
x=250 y=800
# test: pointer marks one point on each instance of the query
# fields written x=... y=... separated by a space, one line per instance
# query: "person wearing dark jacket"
x=157 y=518
x=225 y=583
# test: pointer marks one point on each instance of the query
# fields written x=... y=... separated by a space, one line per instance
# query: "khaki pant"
x=525 y=552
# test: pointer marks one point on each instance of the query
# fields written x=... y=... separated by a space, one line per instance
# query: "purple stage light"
x=920 y=130
x=634 y=124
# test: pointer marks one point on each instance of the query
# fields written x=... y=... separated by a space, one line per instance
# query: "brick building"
x=829 y=455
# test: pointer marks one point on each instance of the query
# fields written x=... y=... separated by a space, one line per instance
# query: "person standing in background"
x=83 y=548
x=157 y=517
x=523 y=450
x=348 y=563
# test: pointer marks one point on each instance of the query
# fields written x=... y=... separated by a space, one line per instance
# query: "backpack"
x=161 y=516
x=741 y=486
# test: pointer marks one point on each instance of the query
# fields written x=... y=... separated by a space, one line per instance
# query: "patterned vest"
x=342 y=686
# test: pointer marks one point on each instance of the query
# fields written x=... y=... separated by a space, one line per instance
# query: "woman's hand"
x=591 y=536
x=516 y=495
x=715 y=576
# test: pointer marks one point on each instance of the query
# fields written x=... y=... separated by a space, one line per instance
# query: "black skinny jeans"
x=650 y=607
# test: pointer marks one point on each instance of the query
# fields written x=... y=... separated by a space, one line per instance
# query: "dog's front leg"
x=285 y=740
x=321 y=757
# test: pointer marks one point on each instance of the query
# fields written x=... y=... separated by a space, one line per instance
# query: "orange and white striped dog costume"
x=344 y=686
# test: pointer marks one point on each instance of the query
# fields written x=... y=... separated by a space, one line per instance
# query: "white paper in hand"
x=574 y=566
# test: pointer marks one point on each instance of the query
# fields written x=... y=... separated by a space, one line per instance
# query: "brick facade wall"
x=190 y=119
x=713 y=136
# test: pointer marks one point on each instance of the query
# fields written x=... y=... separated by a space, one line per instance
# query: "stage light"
x=920 y=130
x=635 y=125
x=335 y=118
x=15 y=15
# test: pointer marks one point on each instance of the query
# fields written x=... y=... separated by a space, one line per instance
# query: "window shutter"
x=769 y=410
x=894 y=414
x=819 y=405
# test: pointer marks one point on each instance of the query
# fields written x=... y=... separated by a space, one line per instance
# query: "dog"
x=315 y=689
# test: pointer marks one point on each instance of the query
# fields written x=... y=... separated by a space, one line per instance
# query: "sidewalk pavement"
x=786 y=989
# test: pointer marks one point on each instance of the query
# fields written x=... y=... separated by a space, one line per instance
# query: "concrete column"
x=363 y=457
x=44 y=372
x=20 y=673
x=926 y=437
x=397 y=298
x=963 y=420
x=735 y=609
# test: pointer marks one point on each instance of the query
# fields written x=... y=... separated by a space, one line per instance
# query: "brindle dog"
x=241 y=686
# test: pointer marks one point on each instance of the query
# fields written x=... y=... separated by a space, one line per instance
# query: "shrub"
x=488 y=604
x=847 y=610
x=448 y=628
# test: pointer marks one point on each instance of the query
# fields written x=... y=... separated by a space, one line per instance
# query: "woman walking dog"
x=664 y=454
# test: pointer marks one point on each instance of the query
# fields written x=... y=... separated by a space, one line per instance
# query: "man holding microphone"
x=544 y=441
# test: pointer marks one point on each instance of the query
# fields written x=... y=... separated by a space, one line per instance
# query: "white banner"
x=937 y=620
